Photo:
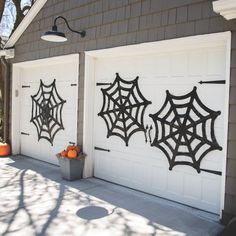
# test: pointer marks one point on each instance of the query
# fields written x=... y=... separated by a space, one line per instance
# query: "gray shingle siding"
x=111 y=23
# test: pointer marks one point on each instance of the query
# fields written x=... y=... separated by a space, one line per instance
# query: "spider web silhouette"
x=185 y=130
x=123 y=108
x=47 y=111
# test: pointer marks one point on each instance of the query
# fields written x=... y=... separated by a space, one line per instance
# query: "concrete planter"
x=71 y=169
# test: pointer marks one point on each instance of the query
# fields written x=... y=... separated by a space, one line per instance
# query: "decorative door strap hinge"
x=73 y=85
x=212 y=82
x=25 y=86
x=212 y=171
x=101 y=84
x=101 y=149
x=23 y=133
x=149 y=134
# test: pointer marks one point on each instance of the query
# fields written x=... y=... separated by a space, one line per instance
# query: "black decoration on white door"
x=123 y=108
x=185 y=130
x=46 y=113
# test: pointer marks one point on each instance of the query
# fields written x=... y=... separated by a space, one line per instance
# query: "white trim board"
x=226 y=8
x=141 y=49
x=198 y=41
x=16 y=88
x=7 y=53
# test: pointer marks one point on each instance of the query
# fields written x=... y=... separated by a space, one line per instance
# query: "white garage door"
x=186 y=128
x=49 y=93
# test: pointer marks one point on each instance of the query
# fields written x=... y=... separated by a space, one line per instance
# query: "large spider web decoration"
x=47 y=111
x=123 y=108
x=185 y=130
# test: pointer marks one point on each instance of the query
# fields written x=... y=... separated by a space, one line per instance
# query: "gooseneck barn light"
x=56 y=36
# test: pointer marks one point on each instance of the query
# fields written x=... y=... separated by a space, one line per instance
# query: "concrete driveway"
x=34 y=200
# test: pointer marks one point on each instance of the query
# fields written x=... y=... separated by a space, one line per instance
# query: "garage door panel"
x=27 y=117
x=213 y=160
x=212 y=101
x=26 y=93
x=219 y=132
x=65 y=89
x=211 y=185
x=68 y=119
x=139 y=173
x=123 y=165
x=158 y=180
x=178 y=65
x=55 y=71
x=175 y=182
x=215 y=64
x=192 y=187
x=197 y=63
x=105 y=168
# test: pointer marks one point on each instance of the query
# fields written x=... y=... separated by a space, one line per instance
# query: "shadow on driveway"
x=36 y=201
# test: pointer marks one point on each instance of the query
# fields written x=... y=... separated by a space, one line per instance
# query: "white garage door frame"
x=16 y=89
x=144 y=48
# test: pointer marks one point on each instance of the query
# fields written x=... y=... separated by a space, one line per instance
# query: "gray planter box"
x=71 y=169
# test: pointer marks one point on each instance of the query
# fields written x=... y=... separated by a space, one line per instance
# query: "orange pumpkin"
x=63 y=153
x=5 y=149
x=70 y=147
x=72 y=154
x=77 y=149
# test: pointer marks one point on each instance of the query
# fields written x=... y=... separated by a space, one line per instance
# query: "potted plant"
x=71 y=162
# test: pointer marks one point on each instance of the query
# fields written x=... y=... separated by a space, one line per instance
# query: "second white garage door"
x=160 y=93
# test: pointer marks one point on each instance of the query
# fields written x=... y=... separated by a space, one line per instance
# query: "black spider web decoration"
x=185 y=130
x=123 y=108
x=47 y=111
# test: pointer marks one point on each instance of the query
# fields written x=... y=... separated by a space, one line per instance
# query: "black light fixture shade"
x=56 y=36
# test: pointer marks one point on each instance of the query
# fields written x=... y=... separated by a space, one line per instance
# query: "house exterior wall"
x=112 y=23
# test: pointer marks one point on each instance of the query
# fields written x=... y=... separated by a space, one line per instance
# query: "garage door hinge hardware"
x=23 y=133
x=212 y=171
x=149 y=134
x=101 y=149
x=212 y=82
x=101 y=84
x=73 y=85
x=145 y=133
x=25 y=86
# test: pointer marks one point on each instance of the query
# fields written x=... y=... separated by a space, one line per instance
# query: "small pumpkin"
x=72 y=154
x=63 y=153
x=77 y=149
x=70 y=147
x=5 y=149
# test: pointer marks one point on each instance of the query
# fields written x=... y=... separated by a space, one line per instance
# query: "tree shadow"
x=22 y=206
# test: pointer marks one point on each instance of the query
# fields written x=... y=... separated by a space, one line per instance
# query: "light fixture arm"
x=82 y=33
